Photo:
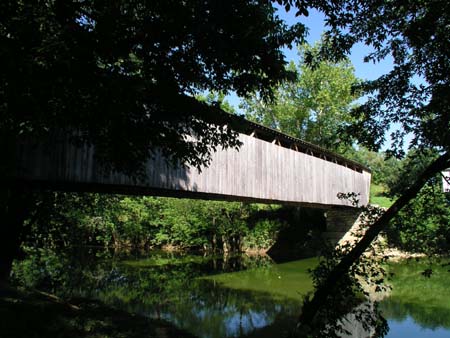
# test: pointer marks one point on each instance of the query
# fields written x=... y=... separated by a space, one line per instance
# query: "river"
x=241 y=296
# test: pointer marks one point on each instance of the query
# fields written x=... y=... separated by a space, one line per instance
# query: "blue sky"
x=316 y=25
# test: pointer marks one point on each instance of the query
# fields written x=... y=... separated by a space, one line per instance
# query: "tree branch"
x=311 y=309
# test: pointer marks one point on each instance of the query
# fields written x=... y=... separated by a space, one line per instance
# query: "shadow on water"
x=212 y=296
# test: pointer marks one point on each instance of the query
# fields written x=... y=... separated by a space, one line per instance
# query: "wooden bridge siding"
x=259 y=171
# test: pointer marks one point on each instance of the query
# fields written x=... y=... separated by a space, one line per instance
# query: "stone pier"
x=340 y=224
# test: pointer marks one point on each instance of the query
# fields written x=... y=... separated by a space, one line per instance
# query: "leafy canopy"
x=122 y=75
x=415 y=93
x=316 y=107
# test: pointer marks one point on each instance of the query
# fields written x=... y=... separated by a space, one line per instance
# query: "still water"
x=216 y=297
x=418 y=306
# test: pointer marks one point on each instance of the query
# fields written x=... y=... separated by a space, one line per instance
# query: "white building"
x=446 y=180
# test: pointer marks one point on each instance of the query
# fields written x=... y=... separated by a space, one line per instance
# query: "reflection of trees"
x=159 y=289
x=426 y=316
x=199 y=306
x=165 y=285
x=426 y=300
x=220 y=312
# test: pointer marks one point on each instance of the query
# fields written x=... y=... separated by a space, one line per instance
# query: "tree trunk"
x=225 y=246
x=311 y=308
x=14 y=211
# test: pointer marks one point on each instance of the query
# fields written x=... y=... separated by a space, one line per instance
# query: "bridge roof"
x=242 y=125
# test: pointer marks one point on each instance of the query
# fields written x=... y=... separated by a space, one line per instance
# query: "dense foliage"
x=122 y=75
x=384 y=169
x=424 y=224
x=316 y=107
x=67 y=219
x=414 y=94
x=408 y=169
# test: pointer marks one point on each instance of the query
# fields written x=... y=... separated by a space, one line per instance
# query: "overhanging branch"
x=312 y=308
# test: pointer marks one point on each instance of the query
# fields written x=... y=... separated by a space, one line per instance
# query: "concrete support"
x=340 y=224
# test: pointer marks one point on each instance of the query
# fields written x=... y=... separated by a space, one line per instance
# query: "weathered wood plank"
x=259 y=171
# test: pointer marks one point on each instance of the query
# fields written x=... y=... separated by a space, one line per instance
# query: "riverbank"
x=36 y=314
x=397 y=255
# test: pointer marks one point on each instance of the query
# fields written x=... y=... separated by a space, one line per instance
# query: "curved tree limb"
x=311 y=309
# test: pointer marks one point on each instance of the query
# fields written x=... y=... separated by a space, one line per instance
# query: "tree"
x=384 y=168
x=217 y=99
x=414 y=94
x=414 y=163
x=424 y=224
x=415 y=34
x=122 y=76
x=316 y=107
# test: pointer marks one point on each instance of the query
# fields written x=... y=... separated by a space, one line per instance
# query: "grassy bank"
x=378 y=196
